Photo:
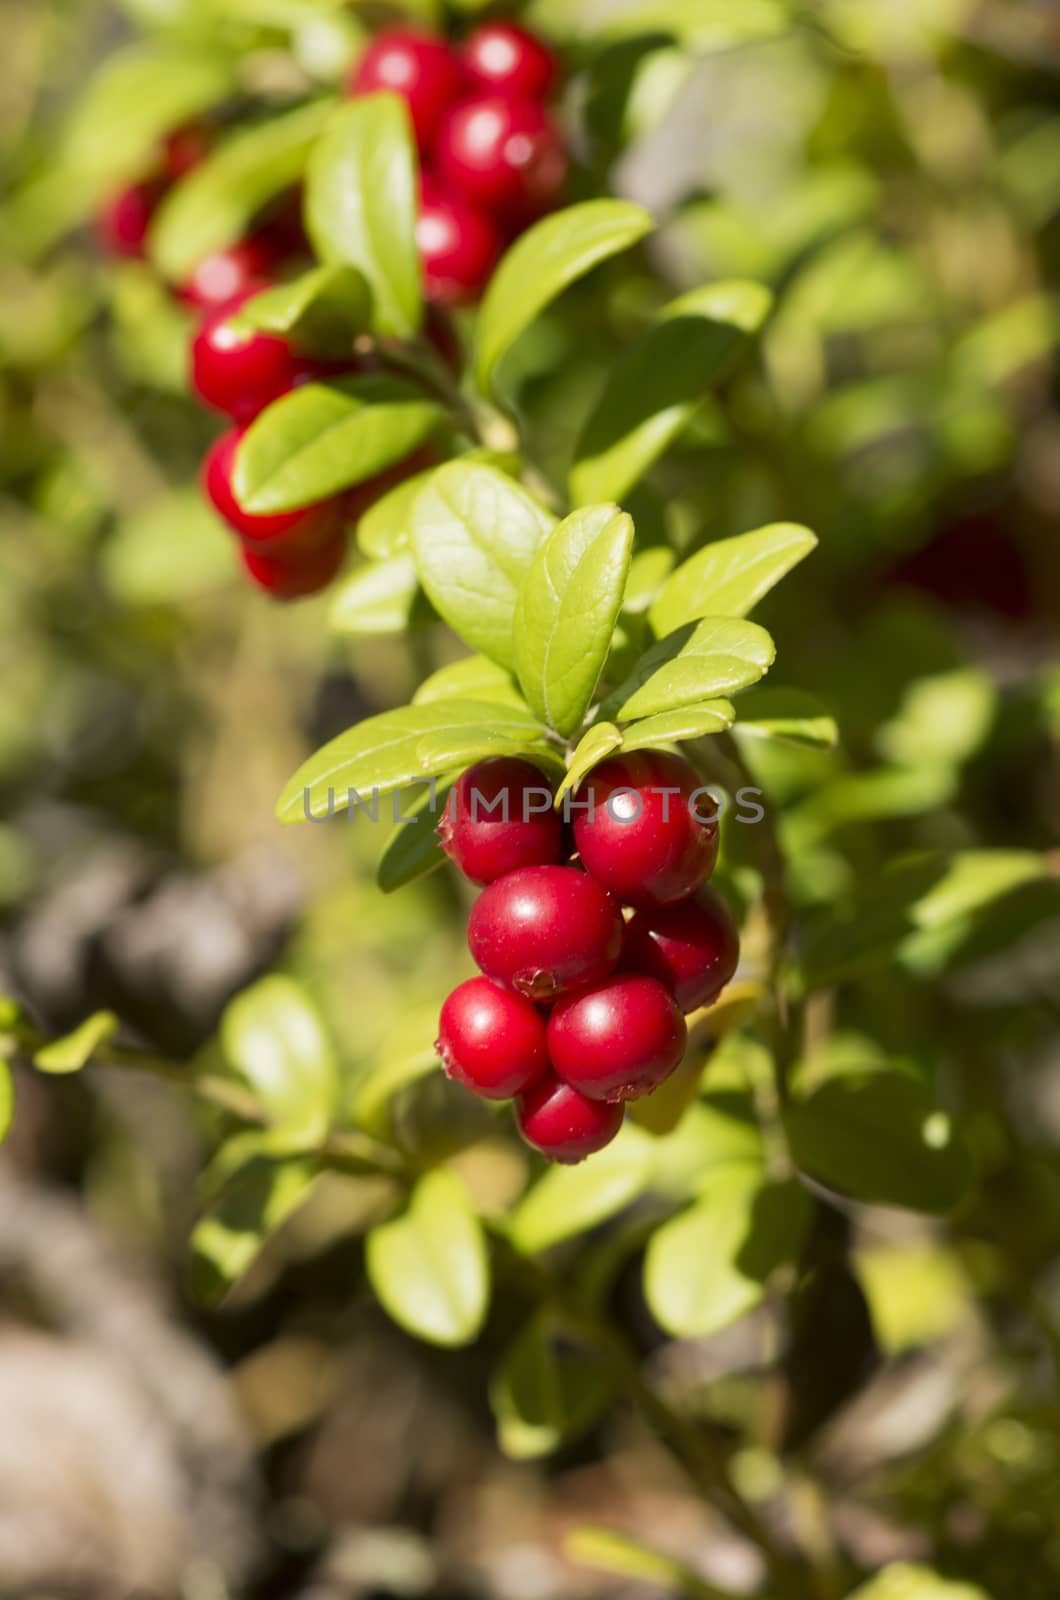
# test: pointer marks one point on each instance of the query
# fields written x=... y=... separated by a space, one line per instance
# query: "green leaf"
x=691 y=722
x=7 y=1100
x=697 y=24
x=567 y=610
x=273 y=1036
x=571 y=1200
x=546 y=1392
x=459 y=747
x=362 y=195
x=900 y=1581
x=626 y=1558
x=76 y=1049
x=474 y=535
x=693 y=664
x=429 y=1266
x=943 y=719
x=877 y=1134
x=378 y=598
x=322 y=311
x=414 y=848
x=711 y=1264
x=546 y=260
x=323 y=438
x=170 y=551
x=786 y=714
x=593 y=747
x=213 y=207
x=381 y=754
x=729 y=577
x=383 y=530
x=228 y=1239
x=472 y=678
x=653 y=390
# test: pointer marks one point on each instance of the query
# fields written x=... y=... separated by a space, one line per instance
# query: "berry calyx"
x=240 y=370
x=458 y=246
x=281 y=532
x=500 y=817
x=420 y=68
x=618 y=1039
x=505 y=154
x=563 y=1124
x=291 y=576
x=492 y=1041
x=123 y=222
x=544 y=931
x=693 y=947
x=505 y=59
x=644 y=827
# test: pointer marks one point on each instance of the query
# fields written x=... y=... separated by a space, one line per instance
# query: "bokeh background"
x=892 y=169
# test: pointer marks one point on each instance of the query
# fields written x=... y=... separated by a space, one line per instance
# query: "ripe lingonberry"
x=618 y=1039
x=647 y=835
x=458 y=245
x=545 y=931
x=223 y=274
x=504 y=59
x=505 y=154
x=417 y=66
x=492 y=1041
x=692 y=947
x=123 y=222
x=241 y=370
x=292 y=575
x=563 y=1124
x=500 y=817
x=185 y=149
x=286 y=532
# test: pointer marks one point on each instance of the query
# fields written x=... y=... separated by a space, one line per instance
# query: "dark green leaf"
x=362 y=194
x=650 y=394
x=546 y=260
x=566 y=613
x=228 y=1239
x=212 y=208
x=323 y=438
x=429 y=1266
x=474 y=535
x=729 y=577
x=694 y=663
x=414 y=849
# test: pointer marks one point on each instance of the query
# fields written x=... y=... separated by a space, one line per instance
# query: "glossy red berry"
x=505 y=154
x=185 y=149
x=240 y=370
x=649 y=833
x=420 y=68
x=458 y=246
x=505 y=59
x=692 y=947
x=545 y=931
x=492 y=1041
x=123 y=222
x=224 y=274
x=283 y=532
x=499 y=817
x=292 y=576
x=563 y=1124
x=618 y=1039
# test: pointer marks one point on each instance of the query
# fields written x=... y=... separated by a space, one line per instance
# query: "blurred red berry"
x=291 y=577
x=123 y=222
x=224 y=274
x=504 y=154
x=419 y=67
x=563 y=1124
x=458 y=246
x=307 y=529
x=185 y=149
x=502 y=58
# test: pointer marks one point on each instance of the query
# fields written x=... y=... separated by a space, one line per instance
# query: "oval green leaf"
x=545 y=1392
x=729 y=577
x=322 y=311
x=789 y=715
x=690 y=722
x=273 y=1036
x=76 y=1049
x=429 y=1267
x=570 y=1200
x=693 y=664
x=378 y=598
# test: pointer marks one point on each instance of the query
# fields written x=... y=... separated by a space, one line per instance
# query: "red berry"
x=505 y=59
x=692 y=947
x=506 y=155
x=185 y=149
x=284 y=532
x=420 y=68
x=240 y=370
x=563 y=1124
x=124 y=220
x=545 y=931
x=500 y=816
x=223 y=274
x=458 y=246
x=290 y=576
x=642 y=836
x=492 y=1041
x=618 y=1039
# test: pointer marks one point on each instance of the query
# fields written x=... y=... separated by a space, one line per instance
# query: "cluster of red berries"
x=580 y=1009
x=492 y=158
